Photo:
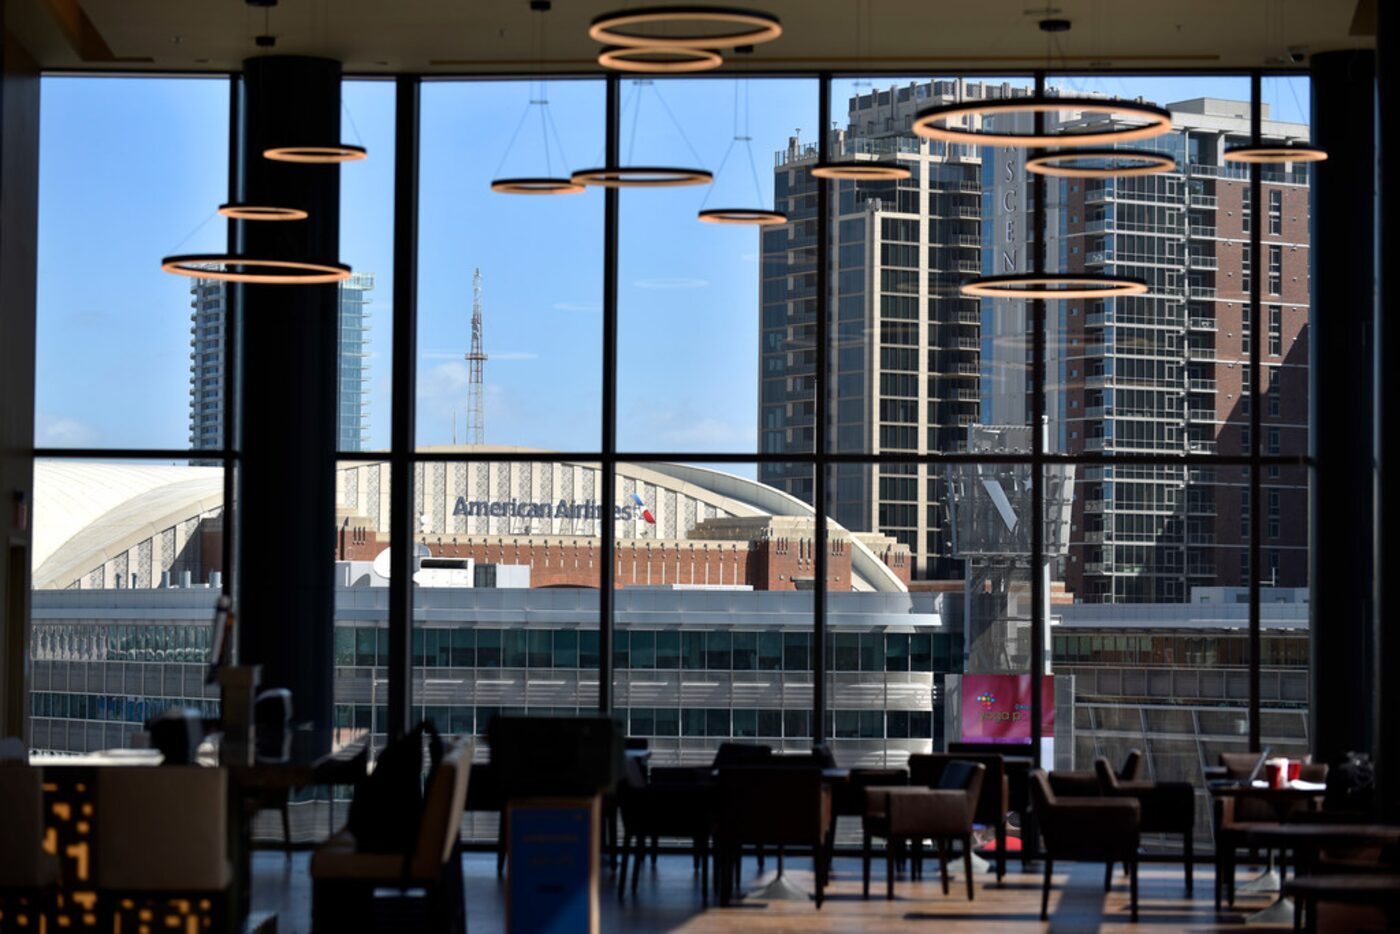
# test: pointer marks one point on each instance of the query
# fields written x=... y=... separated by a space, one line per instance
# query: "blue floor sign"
x=553 y=882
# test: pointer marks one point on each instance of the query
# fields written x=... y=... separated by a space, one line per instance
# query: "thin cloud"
x=62 y=431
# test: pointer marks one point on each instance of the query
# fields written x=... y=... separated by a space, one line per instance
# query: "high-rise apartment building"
x=207 y=363
x=1167 y=372
x=904 y=374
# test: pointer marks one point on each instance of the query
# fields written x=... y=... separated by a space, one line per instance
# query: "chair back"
x=1134 y=767
x=849 y=797
x=993 y=800
x=773 y=805
x=161 y=830
x=21 y=825
x=961 y=775
x=1242 y=765
x=443 y=804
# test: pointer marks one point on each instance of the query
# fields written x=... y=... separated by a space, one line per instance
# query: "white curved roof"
x=867 y=568
x=85 y=512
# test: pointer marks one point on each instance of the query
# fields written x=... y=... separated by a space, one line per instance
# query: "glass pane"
x=365 y=336
x=112 y=202
x=537 y=382
x=127 y=567
x=505 y=595
x=1158 y=372
x=689 y=291
x=714 y=605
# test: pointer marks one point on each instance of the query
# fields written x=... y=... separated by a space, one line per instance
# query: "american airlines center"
x=713 y=605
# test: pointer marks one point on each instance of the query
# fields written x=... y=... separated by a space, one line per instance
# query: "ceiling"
x=917 y=36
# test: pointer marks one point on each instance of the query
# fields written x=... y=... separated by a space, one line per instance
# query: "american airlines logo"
x=563 y=509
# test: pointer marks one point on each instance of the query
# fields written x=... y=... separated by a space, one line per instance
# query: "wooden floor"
x=669 y=899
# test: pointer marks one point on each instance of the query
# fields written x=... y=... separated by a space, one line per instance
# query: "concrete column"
x=288 y=373
x=1342 y=404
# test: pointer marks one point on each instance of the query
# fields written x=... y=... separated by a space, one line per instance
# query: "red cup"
x=1295 y=769
x=1273 y=774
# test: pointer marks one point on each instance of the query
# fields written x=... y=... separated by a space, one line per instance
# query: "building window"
x=1246 y=267
x=1273 y=514
x=1246 y=330
x=1275 y=212
x=1275 y=326
x=1275 y=270
x=1244 y=514
x=1247 y=211
x=1273 y=441
x=1273 y=395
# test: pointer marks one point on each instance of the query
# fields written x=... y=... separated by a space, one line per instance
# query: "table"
x=1281 y=801
x=1378 y=890
x=1305 y=839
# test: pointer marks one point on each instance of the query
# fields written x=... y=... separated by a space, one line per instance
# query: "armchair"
x=1086 y=829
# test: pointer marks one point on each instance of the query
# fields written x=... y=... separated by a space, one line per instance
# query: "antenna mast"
x=476 y=409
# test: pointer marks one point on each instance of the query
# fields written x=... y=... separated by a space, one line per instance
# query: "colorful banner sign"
x=997 y=708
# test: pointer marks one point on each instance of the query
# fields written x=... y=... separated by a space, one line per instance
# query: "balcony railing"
x=1201 y=324
x=1201 y=291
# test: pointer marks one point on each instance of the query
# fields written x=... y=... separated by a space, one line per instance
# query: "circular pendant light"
x=546 y=182
x=657 y=60
x=261 y=212
x=316 y=155
x=929 y=123
x=536 y=186
x=1123 y=163
x=751 y=216
x=642 y=176
x=746 y=27
x=1274 y=154
x=1053 y=285
x=861 y=171
x=227 y=268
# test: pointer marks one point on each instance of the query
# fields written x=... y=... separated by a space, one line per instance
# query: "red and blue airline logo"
x=646 y=513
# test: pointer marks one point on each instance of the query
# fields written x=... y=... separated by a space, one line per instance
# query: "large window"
x=779 y=484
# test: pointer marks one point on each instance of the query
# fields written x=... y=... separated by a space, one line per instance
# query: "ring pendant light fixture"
x=861 y=171
x=751 y=216
x=228 y=268
x=761 y=217
x=542 y=185
x=316 y=155
x=1124 y=163
x=658 y=60
x=548 y=183
x=1053 y=285
x=930 y=123
x=645 y=176
x=853 y=169
x=261 y=212
x=1274 y=154
x=740 y=27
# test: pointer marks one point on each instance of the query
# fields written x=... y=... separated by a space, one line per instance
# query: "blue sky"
x=132 y=169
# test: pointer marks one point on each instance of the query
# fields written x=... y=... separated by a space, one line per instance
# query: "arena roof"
x=87 y=512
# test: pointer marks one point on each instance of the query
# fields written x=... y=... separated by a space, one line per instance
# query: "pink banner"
x=997 y=708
